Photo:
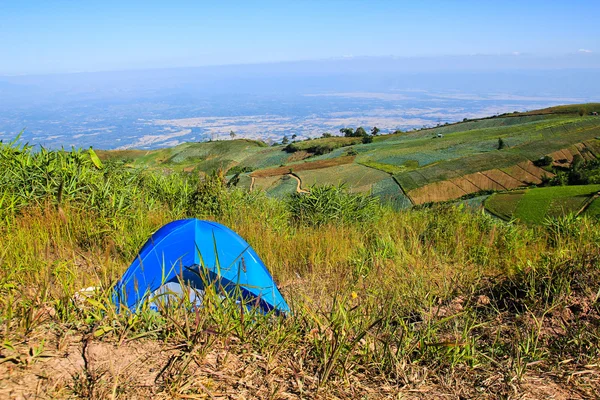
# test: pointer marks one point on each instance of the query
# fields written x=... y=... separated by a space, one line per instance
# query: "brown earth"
x=436 y=192
x=73 y=365
x=503 y=179
x=465 y=185
x=522 y=174
x=535 y=171
x=483 y=182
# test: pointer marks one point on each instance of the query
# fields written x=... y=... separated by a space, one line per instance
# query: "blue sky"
x=69 y=36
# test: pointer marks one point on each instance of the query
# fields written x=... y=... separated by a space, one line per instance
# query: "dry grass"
x=428 y=303
x=436 y=281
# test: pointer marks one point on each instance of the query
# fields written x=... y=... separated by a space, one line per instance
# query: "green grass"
x=593 y=209
x=284 y=187
x=534 y=206
x=356 y=177
x=504 y=205
x=385 y=303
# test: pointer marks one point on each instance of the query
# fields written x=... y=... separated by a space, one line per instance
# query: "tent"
x=190 y=251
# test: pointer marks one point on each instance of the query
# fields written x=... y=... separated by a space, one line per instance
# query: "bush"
x=367 y=139
x=326 y=204
x=543 y=161
x=209 y=196
x=501 y=144
x=238 y=169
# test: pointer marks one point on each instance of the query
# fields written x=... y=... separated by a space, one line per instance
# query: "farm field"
x=534 y=206
x=429 y=165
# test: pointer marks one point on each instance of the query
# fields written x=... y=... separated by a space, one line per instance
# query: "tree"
x=375 y=131
x=348 y=132
x=327 y=135
x=360 y=132
x=294 y=136
x=543 y=161
x=285 y=140
x=232 y=134
x=577 y=162
x=501 y=144
x=367 y=139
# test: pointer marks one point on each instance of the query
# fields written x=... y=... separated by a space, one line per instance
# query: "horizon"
x=574 y=60
x=68 y=37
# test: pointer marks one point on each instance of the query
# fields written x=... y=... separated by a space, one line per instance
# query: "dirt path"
x=299 y=183
x=587 y=203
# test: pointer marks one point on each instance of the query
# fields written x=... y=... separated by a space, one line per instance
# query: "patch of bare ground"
x=465 y=185
x=503 y=179
x=435 y=192
x=561 y=158
x=75 y=365
x=521 y=174
x=483 y=182
x=309 y=165
x=535 y=171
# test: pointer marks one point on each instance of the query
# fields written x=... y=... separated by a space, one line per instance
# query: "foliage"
x=325 y=204
x=321 y=146
x=501 y=144
x=239 y=169
x=543 y=161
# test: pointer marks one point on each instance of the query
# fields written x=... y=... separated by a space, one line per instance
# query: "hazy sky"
x=68 y=36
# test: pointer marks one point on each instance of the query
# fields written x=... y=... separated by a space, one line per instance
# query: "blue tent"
x=191 y=251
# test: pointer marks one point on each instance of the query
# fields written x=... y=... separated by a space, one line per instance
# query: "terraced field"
x=429 y=165
x=535 y=205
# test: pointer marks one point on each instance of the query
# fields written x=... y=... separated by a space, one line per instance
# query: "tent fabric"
x=180 y=249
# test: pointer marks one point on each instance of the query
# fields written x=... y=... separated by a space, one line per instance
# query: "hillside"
x=428 y=165
x=430 y=302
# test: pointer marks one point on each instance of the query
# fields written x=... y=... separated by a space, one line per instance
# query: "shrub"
x=367 y=139
x=238 y=169
x=501 y=144
x=543 y=161
x=326 y=204
x=209 y=196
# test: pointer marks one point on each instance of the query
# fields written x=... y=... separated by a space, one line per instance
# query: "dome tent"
x=190 y=251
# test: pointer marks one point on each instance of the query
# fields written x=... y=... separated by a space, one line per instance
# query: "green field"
x=415 y=159
x=535 y=205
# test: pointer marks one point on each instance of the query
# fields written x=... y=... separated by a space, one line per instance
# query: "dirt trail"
x=299 y=183
x=587 y=203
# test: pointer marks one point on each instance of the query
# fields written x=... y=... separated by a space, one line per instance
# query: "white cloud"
x=516 y=53
x=584 y=51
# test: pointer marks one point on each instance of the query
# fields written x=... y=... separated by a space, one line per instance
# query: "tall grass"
x=438 y=297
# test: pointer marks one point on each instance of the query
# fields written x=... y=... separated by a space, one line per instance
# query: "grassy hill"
x=429 y=165
x=432 y=302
